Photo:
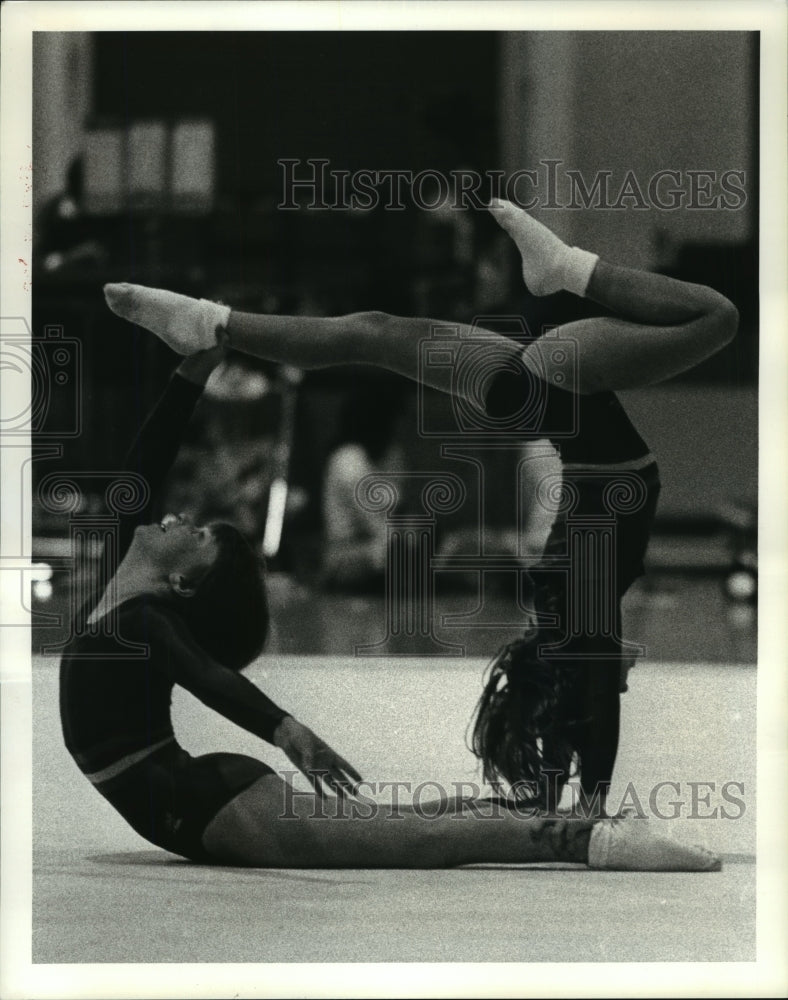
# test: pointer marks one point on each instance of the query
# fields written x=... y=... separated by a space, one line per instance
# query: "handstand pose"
x=226 y=808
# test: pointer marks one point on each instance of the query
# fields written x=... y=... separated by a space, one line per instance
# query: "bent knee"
x=717 y=328
x=727 y=321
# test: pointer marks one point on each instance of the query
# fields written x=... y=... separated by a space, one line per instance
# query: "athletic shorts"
x=170 y=797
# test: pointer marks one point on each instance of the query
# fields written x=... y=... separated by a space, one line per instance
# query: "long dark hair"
x=520 y=731
x=228 y=614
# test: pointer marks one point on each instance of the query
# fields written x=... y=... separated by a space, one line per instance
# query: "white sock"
x=629 y=845
x=186 y=325
x=549 y=265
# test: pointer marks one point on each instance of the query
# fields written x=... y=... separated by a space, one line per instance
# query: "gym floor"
x=103 y=895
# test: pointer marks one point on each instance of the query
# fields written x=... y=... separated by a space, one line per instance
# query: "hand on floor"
x=323 y=766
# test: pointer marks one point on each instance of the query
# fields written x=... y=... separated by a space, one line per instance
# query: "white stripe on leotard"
x=631 y=463
x=119 y=766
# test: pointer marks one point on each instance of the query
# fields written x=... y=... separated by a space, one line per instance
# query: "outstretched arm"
x=236 y=698
x=155 y=447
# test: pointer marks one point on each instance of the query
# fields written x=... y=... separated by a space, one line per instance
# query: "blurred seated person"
x=354 y=539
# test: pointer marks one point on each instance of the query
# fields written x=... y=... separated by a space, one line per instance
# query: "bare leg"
x=392 y=342
x=671 y=327
x=666 y=326
x=373 y=338
x=268 y=826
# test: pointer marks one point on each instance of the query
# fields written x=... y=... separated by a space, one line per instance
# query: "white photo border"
x=768 y=974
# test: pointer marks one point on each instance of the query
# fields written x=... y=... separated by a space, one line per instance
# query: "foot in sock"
x=629 y=845
x=549 y=265
x=186 y=325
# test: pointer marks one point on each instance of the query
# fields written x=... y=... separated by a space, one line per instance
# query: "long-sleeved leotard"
x=115 y=702
x=609 y=476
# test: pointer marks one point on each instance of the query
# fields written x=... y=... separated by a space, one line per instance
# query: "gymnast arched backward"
x=225 y=808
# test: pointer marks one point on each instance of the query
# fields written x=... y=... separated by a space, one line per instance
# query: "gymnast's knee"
x=726 y=321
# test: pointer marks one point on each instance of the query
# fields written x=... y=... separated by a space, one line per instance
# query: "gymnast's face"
x=178 y=548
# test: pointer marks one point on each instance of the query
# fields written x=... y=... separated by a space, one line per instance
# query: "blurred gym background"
x=155 y=161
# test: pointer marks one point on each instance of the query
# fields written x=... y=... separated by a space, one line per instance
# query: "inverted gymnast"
x=192 y=594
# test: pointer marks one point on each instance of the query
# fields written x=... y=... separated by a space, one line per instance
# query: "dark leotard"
x=610 y=479
x=115 y=701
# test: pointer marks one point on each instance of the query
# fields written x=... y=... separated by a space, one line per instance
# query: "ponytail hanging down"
x=518 y=732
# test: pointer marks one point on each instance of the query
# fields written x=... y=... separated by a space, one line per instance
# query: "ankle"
x=216 y=319
x=577 y=268
x=579 y=839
